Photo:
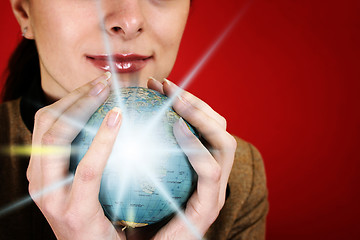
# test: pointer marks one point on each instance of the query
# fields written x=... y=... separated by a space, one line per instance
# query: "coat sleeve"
x=244 y=213
x=251 y=220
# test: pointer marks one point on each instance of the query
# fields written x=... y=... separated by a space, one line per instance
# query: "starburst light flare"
x=180 y=213
x=127 y=163
x=137 y=167
x=27 y=200
x=201 y=63
x=116 y=83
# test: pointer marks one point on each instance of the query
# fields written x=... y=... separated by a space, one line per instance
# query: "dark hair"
x=23 y=68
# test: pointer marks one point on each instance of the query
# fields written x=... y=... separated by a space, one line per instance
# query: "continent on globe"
x=147 y=176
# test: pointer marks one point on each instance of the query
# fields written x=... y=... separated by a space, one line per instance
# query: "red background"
x=287 y=79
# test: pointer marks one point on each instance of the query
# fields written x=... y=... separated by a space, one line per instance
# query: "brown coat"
x=243 y=216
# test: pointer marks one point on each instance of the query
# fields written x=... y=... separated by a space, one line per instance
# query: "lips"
x=122 y=63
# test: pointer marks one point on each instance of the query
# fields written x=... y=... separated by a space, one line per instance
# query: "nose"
x=124 y=18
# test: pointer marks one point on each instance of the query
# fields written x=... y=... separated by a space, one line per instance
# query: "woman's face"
x=143 y=35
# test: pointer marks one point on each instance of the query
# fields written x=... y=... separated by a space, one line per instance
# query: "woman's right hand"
x=73 y=210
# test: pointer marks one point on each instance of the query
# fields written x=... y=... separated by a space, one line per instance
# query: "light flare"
x=28 y=150
x=133 y=160
x=116 y=83
x=128 y=162
x=180 y=213
x=28 y=200
x=199 y=65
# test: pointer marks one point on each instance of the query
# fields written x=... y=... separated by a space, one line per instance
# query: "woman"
x=72 y=80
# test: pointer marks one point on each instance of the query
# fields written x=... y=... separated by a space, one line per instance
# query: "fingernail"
x=183 y=100
x=105 y=77
x=184 y=127
x=167 y=81
x=114 y=117
x=98 y=88
x=157 y=80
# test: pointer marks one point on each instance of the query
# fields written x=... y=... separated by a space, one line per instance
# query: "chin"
x=131 y=80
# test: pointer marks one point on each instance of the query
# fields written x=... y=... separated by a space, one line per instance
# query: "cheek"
x=168 y=37
x=60 y=36
x=171 y=29
x=59 y=28
x=50 y=33
x=167 y=42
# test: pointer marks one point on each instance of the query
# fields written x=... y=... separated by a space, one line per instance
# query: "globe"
x=147 y=177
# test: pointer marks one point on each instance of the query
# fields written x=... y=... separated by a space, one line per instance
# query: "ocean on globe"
x=147 y=173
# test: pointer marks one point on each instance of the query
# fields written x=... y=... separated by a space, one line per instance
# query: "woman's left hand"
x=212 y=163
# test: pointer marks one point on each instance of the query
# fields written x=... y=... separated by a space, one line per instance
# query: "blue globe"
x=147 y=176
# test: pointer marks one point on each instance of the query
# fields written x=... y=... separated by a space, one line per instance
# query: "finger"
x=73 y=119
x=158 y=86
x=207 y=168
x=198 y=113
x=170 y=89
x=204 y=202
x=222 y=144
x=46 y=116
x=201 y=116
x=65 y=129
x=86 y=185
x=208 y=127
x=68 y=100
x=49 y=161
x=155 y=85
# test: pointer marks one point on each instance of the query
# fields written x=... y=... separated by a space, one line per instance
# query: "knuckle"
x=40 y=113
x=215 y=172
x=73 y=221
x=104 y=228
x=29 y=175
x=42 y=117
x=232 y=142
x=31 y=190
x=229 y=143
x=222 y=201
x=57 y=135
x=49 y=138
x=86 y=173
x=212 y=215
x=48 y=208
x=78 y=91
x=223 y=122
